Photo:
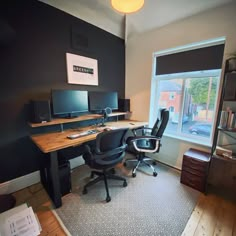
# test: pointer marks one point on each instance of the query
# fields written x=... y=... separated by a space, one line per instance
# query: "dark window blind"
x=207 y=58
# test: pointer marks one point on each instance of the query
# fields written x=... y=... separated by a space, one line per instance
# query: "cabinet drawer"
x=202 y=172
x=194 y=181
x=194 y=164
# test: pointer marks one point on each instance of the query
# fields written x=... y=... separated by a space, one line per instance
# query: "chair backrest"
x=109 y=140
x=109 y=149
x=155 y=127
x=160 y=124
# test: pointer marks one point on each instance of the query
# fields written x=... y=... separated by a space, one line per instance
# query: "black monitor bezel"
x=100 y=109
x=68 y=112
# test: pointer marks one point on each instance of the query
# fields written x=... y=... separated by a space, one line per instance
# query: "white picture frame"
x=81 y=70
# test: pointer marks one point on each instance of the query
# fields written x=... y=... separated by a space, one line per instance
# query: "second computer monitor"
x=98 y=101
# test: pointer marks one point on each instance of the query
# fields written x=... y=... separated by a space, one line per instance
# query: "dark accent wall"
x=34 y=40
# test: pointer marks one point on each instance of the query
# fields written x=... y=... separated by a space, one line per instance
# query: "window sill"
x=197 y=141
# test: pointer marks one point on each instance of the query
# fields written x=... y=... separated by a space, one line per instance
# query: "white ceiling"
x=154 y=14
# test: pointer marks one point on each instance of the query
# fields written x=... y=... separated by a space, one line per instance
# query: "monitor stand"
x=71 y=116
x=103 y=123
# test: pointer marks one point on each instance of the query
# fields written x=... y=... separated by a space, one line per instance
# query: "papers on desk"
x=19 y=221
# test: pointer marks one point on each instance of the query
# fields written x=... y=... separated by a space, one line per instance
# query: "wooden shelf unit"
x=222 y=170
x=228 y=97
x=60 y=121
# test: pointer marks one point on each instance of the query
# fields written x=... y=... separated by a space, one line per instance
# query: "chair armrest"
x=140 y=128
x=88 y=149
x=139 y=138
x=143 y=137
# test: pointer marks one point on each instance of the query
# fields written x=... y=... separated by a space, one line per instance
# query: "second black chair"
x=109 y=150
x=147 y=143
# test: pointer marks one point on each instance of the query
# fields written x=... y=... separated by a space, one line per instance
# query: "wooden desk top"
x=50 y=142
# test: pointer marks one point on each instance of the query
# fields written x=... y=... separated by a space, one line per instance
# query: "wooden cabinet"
x=195 y=169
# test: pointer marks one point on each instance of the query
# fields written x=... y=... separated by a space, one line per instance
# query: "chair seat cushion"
x=96 y=165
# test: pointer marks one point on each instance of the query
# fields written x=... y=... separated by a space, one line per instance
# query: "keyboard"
x=82 y=134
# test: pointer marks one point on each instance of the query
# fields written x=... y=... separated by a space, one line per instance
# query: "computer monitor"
x=69 y=103
x=98 y=101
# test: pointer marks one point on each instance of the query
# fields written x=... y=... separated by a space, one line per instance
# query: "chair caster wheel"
x=124 y=164
x=133 y=175
x=154 y=174
x=85 y=191
x=154 y=163
x=92 y=175
x=108 y=199
x=125 y=184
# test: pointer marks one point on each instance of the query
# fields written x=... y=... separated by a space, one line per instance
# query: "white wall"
x=213 y=23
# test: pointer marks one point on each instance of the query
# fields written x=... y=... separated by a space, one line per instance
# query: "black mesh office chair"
x=147 y=143
x=108 y=152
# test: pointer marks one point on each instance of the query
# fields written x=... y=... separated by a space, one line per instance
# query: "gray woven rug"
x=148 y=206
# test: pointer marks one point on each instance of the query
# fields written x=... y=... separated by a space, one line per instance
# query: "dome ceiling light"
x=127 y=6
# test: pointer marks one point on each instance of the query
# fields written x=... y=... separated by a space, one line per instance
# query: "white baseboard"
x=75 y=162
x=20 y=183
x=30 y=179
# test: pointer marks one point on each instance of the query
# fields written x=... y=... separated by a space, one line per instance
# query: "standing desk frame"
x=50 y=143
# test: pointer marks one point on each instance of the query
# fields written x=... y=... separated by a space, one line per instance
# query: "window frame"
x=154 y=96
x=180 y=135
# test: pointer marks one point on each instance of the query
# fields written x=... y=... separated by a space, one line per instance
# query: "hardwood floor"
x=37 y=197
x=212 y=216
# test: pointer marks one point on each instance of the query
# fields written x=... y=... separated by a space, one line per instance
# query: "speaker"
x=40 y=111
x=124 y=105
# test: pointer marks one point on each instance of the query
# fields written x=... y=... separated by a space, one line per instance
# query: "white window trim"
x=155 y=78
x=186 y=137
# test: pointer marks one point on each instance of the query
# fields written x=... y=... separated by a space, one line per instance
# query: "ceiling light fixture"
x=127 y=6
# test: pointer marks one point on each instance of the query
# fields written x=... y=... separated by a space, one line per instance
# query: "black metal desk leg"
x=56 y=189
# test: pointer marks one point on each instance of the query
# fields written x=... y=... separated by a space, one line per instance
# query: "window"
x=191 y=98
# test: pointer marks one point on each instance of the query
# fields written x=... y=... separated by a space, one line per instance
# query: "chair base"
x=141 y=159
x=105 y=175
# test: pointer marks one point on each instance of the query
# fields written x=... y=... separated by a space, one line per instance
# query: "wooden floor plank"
x=234 y=226
x=226 y=217
x=195 y=217
x=37 y=197
x=207 y=223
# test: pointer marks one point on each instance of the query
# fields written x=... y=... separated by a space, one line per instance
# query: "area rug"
x=148 y=206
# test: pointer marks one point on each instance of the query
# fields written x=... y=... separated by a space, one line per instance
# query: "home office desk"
x=50 y=143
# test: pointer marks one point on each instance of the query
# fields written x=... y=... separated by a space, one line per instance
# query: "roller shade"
x=193 y=60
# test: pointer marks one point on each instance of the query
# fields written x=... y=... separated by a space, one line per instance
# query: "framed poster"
x=81 y=70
